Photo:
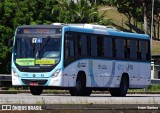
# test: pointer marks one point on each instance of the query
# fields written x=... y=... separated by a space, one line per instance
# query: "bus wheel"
x=87 y=92
x=122 y=90
x=36 y=90
x=79 y=89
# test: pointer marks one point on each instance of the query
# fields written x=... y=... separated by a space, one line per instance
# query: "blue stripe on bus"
x=109 y=32
x=129 y=35
x=113 y=68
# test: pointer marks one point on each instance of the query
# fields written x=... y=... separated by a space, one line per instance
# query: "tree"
x=7 y=9
x=125 y=7
x=20 y=12
x=80 y=12
x=145 y=6
x=135 y=8
x=42 y=11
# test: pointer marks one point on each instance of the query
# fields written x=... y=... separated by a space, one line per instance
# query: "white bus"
x=80 y=58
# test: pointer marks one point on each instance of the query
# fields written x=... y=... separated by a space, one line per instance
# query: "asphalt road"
x=25 y=98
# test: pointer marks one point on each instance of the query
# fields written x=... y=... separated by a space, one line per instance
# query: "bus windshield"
x=37 y=50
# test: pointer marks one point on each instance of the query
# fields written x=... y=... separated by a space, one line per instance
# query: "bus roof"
x=129 y=35
x=105 y=30
x=40 y=26
x=91 y=28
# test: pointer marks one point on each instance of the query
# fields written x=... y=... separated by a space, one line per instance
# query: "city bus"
x=80 y=58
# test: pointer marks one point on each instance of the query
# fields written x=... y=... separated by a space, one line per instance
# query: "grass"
x=155 y=47
x=155 y=87
x=151 y=88
x=119 y=20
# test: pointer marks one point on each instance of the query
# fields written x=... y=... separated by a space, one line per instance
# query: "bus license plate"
x=33 y=83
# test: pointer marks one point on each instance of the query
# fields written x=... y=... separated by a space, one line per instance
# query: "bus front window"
x=33 y=51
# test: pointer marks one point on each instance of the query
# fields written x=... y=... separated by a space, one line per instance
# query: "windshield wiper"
x=43 y=44
x=48 y=37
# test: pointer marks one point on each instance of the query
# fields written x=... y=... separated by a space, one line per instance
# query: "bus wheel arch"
x=80 y=86
x=81 y=75
x=121 y=91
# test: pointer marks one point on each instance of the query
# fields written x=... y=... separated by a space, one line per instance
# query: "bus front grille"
x=40 y=82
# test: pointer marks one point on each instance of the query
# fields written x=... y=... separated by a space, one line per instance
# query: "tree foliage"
x=20 y=12
x=139 y=10
x=29 y=12
x=81 y=11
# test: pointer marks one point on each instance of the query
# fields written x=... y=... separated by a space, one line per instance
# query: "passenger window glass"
x=107 y=47
x=93 y=46
x=120 y=48
x=143 y=50
x=127 y=49
x=133 y=54
x=100 y=43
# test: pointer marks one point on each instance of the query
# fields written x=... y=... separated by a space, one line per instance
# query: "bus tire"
x=122 y=90
x=36 y=90
x=71 y=91
x=79 y=89
x=87 y=92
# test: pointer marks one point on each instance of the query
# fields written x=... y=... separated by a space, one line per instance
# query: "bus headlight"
x=15 y=73
x=55 y=74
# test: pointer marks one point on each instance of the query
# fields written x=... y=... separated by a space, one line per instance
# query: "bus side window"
x=143 y=50
x=114 y=47
x=120 y=48
x=79 y=45
x=133 y=54
x=108 y=47
x=69 y=46
x=93 y=46
x=138 y=45
x=88 y=45
x=127 y=49
x=84 y=45
x=100 y=48
x=147 y=50
x=66 y=49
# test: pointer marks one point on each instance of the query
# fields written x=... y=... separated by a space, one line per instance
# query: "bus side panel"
x=105 y=73
x=138 y=72
x=96 y=73
x=71 y=71
x=101 y=72
x=69 y=75
x=133 y=69
x=142 y=78
x=145 y=73
x=124 y=67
